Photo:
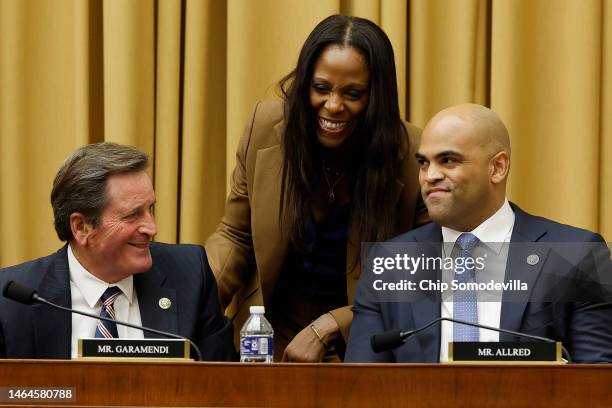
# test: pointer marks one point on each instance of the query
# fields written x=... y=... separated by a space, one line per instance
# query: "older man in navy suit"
x=103 y=202
x=464 y=159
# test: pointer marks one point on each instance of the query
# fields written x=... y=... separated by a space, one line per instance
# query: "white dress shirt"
x=493 y=233
x=85 y=293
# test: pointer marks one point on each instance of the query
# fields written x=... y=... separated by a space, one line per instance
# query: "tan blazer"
x=248 y=249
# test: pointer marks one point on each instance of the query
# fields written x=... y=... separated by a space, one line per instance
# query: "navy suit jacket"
x=179 y=273
x=582 y=320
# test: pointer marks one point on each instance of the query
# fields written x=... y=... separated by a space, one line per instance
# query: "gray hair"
x=80 y=184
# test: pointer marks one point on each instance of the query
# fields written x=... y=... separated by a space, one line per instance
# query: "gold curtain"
x=553 y=56
x=45 y=113
x=177 y=78
x=546 y=67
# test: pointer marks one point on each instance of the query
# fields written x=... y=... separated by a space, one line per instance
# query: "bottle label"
x=256 y=345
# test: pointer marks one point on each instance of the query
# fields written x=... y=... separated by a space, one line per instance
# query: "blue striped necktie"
x=108 y=330
x=465 y=305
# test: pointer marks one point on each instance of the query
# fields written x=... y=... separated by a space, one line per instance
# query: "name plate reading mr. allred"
x=134 y=348
x=504 y=351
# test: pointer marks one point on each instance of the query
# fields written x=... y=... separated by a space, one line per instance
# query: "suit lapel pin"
x=533 y=259
x=165 y=303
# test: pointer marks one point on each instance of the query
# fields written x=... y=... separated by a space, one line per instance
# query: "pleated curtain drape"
x=178 y=78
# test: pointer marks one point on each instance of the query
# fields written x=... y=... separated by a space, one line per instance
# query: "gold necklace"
x=331 y=195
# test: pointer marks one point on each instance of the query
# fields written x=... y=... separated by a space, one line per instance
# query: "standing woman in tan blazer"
x=317 y=174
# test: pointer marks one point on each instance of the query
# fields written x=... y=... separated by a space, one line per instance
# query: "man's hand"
x=306 y=347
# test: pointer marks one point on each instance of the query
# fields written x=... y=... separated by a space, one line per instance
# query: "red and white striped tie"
x=108 y=330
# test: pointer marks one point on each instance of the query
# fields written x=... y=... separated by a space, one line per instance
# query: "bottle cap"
x=257 y=310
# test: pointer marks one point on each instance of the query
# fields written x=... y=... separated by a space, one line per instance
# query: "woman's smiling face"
x=339 y=93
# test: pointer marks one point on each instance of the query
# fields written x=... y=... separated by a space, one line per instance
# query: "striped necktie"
x=465 y=306
x=108 y=330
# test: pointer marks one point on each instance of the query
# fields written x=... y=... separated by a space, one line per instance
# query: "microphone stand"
x=405 y=335
x=40 y=299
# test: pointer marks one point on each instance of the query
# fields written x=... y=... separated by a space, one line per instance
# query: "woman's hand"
x=306 y=347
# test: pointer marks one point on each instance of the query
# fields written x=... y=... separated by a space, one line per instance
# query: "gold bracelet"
x=314 y=329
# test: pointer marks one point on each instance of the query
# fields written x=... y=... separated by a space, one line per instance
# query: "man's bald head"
x=488 y=130
x=465 y=158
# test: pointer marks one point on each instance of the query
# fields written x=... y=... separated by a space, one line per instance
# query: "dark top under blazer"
x=179 y=273
x=585 y=327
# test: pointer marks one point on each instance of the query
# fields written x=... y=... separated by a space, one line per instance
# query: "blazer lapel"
x=279 y=130
x=427 y=307
x=517 y=267
x=270 y=246
x=150 y=289
x=52 y=327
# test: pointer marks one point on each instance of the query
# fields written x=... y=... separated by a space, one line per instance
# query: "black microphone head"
x=19 y=293
x=386 y=341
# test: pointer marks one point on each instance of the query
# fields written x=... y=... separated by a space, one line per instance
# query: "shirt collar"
x=90 y=286
x=494 y=232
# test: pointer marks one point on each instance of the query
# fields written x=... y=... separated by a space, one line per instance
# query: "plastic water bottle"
x=257 y=338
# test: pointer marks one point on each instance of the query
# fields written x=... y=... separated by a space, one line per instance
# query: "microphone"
x=22 y=294
x=19 y=293
x=394 y=338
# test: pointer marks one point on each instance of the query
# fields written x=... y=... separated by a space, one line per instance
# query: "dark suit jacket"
x=582 y=319
x=179 y=273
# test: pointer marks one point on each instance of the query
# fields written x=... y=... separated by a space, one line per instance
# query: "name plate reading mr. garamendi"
x=134 y=348
x=504 y=351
